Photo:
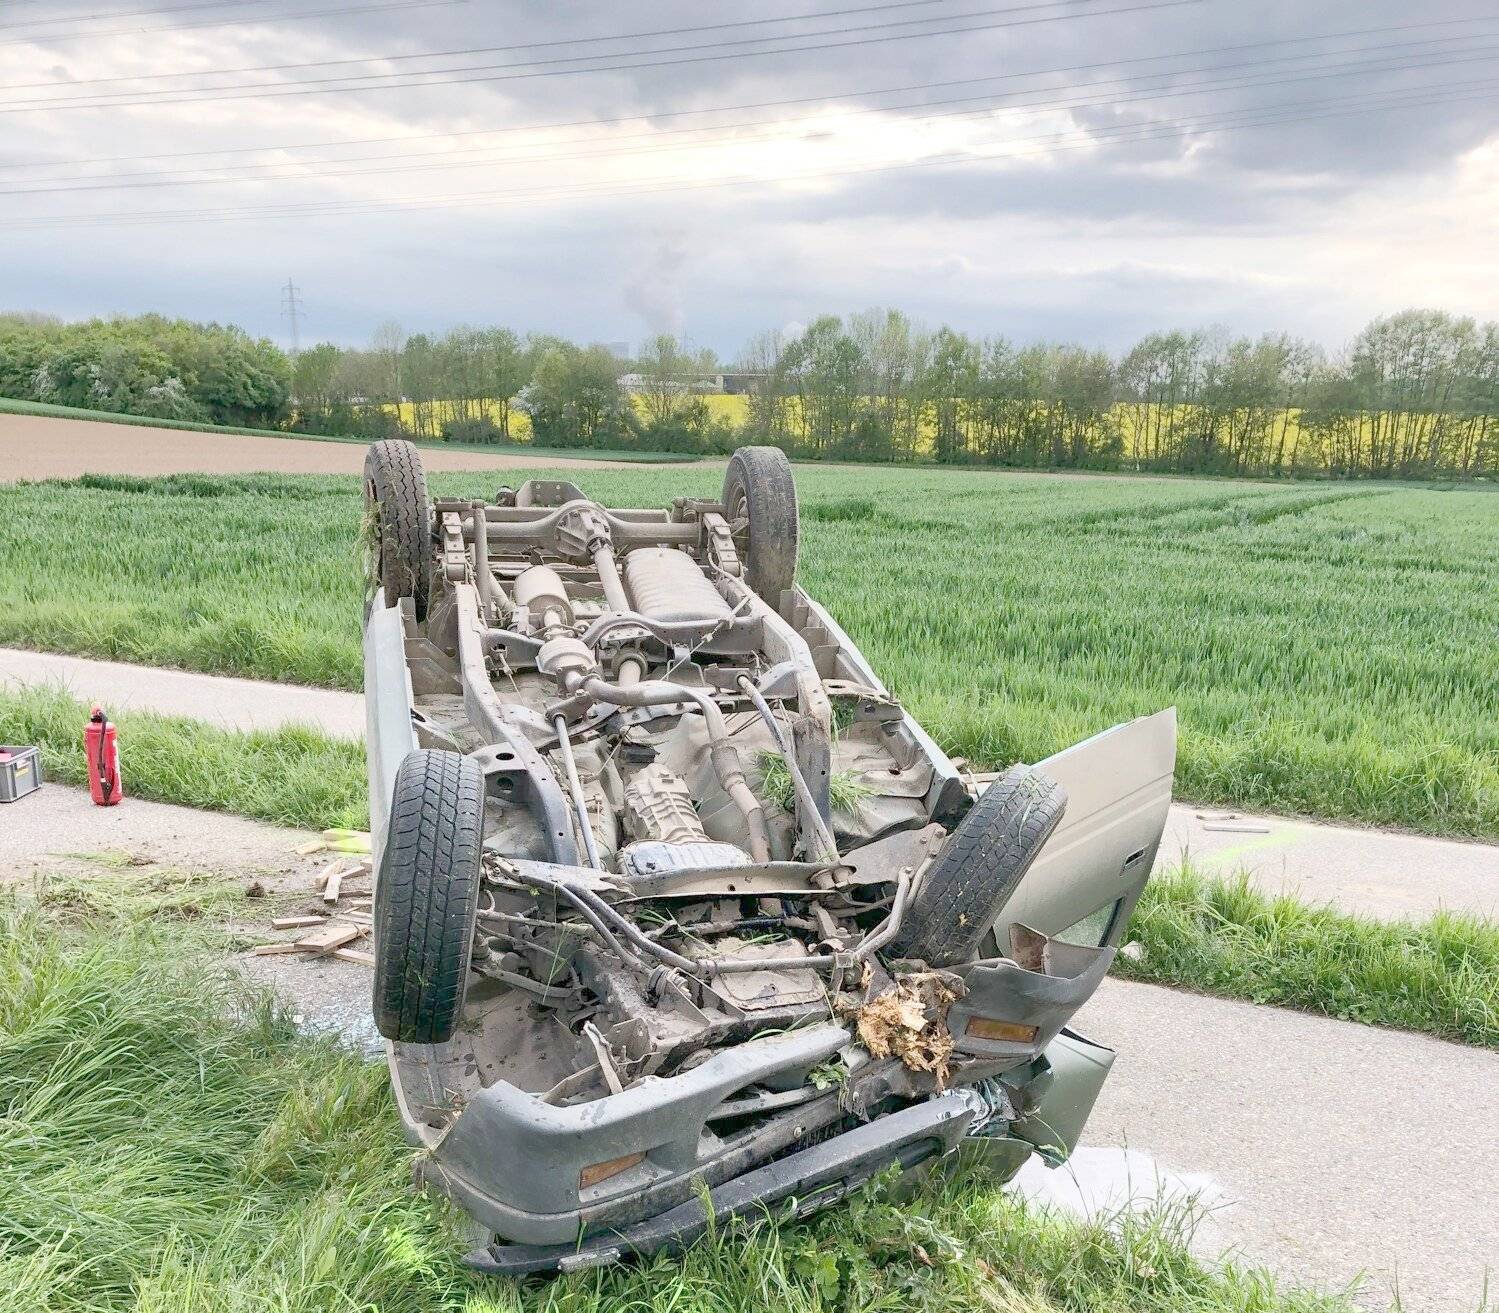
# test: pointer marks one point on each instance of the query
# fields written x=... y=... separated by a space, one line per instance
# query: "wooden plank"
x=336 y=935
x=296 y=922
x=354 y=955
x=267 y=950
x=332 y=885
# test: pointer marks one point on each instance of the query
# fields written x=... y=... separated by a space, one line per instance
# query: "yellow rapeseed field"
x=1139 y=427
x=735 y=409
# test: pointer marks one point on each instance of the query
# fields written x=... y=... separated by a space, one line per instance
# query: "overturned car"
x=678 y=913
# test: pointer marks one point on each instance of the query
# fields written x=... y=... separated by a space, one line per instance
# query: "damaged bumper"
x=647 y=1169
x=810 y=1180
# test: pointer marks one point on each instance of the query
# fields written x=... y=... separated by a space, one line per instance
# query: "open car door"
x=1086 y=881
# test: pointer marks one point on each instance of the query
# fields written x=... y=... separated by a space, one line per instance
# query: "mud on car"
x=678 y=912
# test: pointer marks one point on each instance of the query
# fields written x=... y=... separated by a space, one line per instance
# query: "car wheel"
x=979 y=867
x=426 y=896
x=397 y=524
x=759 y=495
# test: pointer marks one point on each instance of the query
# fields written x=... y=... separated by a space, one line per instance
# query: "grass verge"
x=1223 y=936
x=290 y=776
x=11 y=406
x=172 y=1143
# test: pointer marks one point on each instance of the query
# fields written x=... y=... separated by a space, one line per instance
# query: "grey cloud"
x=721 y=264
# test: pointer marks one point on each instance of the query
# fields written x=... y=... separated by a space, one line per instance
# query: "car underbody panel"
x=706 y=846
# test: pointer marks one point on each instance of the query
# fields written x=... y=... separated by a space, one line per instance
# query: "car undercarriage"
x=678 y=912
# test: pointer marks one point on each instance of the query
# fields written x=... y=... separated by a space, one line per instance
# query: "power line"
x=442 y=160
x=530 y=45
x=251 y=91
x=53 y=39
x=767 y=104
x=1249 y=117
x=128 y=13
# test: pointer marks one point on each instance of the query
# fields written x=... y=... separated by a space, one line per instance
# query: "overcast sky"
x=1089 y=170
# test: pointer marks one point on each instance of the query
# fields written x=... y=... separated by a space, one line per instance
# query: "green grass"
x=846 y=788
x=1330 y=647
x=172 y=1145
x=12 y=406
x=1224 y=937
x=290 y=776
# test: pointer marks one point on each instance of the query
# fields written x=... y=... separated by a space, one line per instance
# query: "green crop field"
x=1330 y=647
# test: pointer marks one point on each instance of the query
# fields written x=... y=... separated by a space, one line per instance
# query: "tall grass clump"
x=173 y=1145
x=1223 y=936
x=289 y=776
x=846 y=788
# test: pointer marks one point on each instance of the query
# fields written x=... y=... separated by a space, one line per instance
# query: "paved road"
x=1329 y=1148
x=243 y=704
x=1325 y=1148
x=1380 y=873
x=49 y=829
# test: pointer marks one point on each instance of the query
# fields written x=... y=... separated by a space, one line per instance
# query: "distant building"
x=740 y=381
x=731 y=384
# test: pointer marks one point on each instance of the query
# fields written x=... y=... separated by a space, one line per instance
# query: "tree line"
x=1413 y=395
x=146 y=365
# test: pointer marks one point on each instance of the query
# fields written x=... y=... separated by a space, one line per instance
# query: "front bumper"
x=514 y=1163
x=807 y=1181
x=534 y=1172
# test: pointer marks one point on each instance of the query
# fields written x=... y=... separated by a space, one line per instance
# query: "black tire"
x=398 y=522
x=426 y=896
x=978 y=869
x=759 y=494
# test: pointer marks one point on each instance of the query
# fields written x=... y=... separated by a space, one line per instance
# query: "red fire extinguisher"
x=102 y=748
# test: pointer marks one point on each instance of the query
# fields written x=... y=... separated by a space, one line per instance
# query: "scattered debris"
x=331 y=884
x=335 y=935
x=1237 y=827
x=332 y=932
x=255 y=889
x=910 y=1021
x=354 y=955
x=355 y=842
x=124 y=857
x=347 y=841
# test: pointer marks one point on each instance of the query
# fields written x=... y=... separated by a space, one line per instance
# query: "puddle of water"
x=1103 y=1181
